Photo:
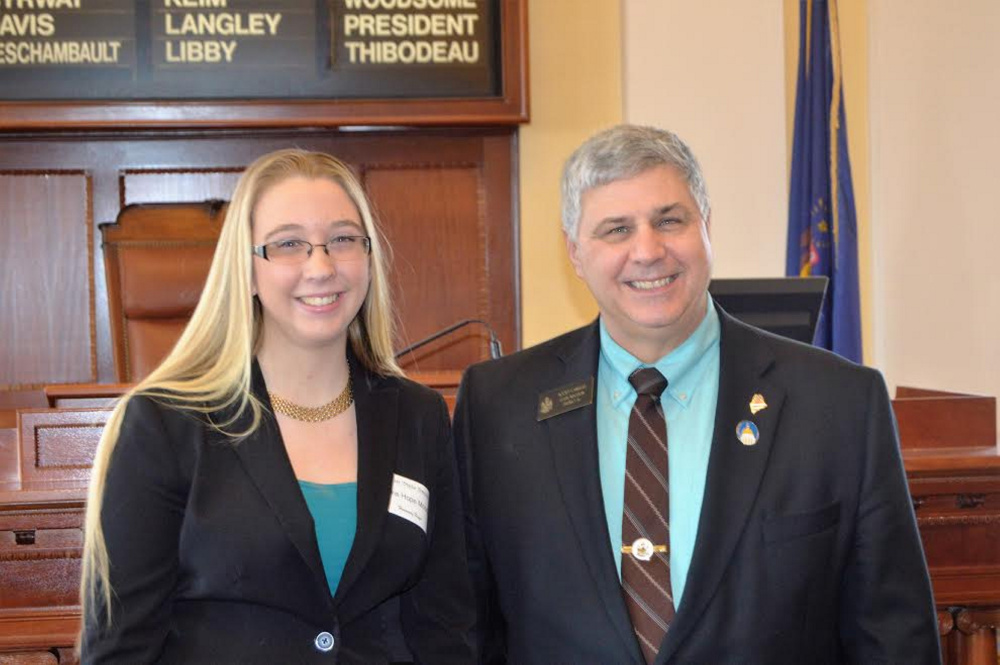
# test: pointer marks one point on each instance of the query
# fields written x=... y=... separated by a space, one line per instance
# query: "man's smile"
x=646 y=285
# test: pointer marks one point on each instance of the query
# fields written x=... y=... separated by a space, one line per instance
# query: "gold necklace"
x=314 y=414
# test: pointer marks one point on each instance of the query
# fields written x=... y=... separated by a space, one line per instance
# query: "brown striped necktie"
x=645 y=523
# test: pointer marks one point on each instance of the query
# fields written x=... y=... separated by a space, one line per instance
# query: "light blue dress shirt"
x=692 y=372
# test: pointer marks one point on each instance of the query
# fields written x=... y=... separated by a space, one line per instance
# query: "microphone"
x=496 y=350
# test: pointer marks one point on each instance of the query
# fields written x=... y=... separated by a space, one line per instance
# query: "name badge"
x=409 y=500
x=565 y=398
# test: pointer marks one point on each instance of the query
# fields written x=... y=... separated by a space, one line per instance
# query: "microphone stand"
x=496 y=350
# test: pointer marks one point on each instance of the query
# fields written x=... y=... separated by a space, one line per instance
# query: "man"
x=669 y=485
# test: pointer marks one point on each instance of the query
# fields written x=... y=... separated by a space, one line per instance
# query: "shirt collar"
x=680 y=366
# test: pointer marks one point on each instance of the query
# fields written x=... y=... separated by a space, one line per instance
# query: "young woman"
x=275 y=491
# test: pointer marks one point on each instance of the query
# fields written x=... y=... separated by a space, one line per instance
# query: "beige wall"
x=713 y=72
x=935 y=104
x=575 y=68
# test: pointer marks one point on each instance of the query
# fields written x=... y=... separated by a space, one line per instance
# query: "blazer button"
x=323 y=642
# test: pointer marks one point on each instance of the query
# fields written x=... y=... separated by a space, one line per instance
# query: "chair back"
x=157 y=257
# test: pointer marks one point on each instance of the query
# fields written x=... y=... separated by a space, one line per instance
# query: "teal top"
x=334 y=511
x=692 y=370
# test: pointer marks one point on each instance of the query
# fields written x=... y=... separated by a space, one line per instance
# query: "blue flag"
x=822 y=223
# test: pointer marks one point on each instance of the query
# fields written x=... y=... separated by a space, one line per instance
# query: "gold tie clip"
x=627 y=549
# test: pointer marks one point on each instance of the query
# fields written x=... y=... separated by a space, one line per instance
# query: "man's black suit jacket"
x=214 y=556
x=807 y=550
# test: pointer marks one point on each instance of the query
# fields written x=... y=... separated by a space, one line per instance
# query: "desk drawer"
x=40 y=568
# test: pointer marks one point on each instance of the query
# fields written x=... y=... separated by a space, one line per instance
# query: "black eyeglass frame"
x=261 y=250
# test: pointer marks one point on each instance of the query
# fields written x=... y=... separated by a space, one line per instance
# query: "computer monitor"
x=787 y=306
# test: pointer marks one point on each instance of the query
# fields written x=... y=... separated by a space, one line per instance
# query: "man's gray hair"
x=620 y=153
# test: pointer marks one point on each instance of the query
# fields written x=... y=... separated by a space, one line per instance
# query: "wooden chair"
x=157 y=256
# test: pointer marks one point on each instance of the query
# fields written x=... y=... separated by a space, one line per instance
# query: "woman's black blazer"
x=214 y=556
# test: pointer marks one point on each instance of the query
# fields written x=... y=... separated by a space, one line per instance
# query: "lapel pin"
x=757 y=403
x=747 y=433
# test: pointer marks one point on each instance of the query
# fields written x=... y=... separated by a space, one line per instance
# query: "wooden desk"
x=44 y=468
x=950 y=449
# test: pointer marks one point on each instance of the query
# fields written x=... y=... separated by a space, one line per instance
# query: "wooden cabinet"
x=950 y=450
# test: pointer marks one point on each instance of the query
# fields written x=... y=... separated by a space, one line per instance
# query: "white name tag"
x=409 y=500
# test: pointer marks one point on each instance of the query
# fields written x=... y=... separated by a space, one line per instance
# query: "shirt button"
x=323 y=642
x=683 y=397
x=617 y=394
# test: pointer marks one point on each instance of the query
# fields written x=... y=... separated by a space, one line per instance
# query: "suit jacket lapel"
x=376 y=408
x=266 y=462
x=573 y=440
x=734 y=470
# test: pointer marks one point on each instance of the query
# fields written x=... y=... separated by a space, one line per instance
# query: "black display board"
x=248 y=49
x=786 y=306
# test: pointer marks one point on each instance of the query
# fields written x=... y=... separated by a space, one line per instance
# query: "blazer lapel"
x=573 y=440
x=734 y=470
x=376 y=408
x=264 y=458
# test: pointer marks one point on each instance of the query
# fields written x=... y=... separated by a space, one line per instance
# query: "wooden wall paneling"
x=502 y=253
x=96 y=157
x=496 y=255
x=431 y=213
x=177 y=185
x=46 y=281
x=494 y=156
x=126 y=167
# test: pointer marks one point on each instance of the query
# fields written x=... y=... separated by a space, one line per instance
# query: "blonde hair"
x=209 y=368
